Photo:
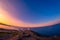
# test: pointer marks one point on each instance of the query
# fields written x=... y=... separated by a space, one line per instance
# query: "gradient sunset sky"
x=30 y=13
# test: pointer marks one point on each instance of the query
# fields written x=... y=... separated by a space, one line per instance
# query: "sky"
x=37 y=11
x=30 y=13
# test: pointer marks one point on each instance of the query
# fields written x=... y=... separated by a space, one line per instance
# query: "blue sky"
x=36 y=11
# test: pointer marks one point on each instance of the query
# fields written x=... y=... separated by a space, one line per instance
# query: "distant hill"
x=9 y=27
x=5 y=24
x=4 y=29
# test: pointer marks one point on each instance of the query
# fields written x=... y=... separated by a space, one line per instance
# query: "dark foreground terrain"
x=7 y=34
x=24 y=35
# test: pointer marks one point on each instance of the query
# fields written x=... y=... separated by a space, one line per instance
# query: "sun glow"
x=2 y=18
x=1 y=15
